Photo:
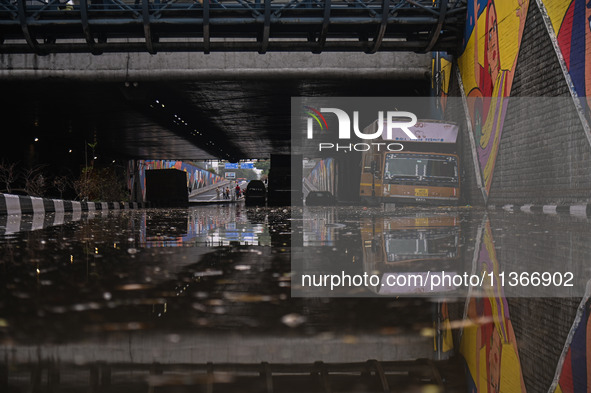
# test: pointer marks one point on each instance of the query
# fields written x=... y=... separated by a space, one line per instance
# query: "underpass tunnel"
x=67 y=125
x=175 y=285
x=224 y=84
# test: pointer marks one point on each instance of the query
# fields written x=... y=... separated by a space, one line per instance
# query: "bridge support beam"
x=136 y=67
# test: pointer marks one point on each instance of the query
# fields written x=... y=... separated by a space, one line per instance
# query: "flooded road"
x=214 y=298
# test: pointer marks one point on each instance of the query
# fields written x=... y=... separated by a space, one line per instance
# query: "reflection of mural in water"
x=443 y=339
x=198 y=229
x=194 y=226
x=575 y=373
x=488 y=343
x=494 y=30
x=319 y=228
x=571 y=21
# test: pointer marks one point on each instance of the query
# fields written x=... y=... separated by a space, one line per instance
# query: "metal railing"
x=97 y=26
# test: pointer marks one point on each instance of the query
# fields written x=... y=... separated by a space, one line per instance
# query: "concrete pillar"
x=285 y=180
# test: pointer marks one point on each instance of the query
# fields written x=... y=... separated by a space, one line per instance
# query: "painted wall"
x=196 y=177
x=571 y=23
x=507 y=53
x=494 y=30
x=322 y=175
x=511 y=50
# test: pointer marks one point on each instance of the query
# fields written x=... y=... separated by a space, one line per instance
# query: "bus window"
x=441 y=168
x=401 y=166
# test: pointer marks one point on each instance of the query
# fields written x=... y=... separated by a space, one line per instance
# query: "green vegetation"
x=100 y=184
x=264 y=166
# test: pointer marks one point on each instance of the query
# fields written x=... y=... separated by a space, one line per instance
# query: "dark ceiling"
x=164 y=120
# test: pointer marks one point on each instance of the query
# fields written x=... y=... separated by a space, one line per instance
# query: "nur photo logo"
x=389 y=126
x=394 y=120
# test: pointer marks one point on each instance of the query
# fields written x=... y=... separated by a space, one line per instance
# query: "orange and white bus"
x=421 y=171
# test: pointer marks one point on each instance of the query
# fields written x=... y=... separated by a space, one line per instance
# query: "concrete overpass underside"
x=182 y=106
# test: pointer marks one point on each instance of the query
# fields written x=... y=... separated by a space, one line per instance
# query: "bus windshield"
x=420 y=167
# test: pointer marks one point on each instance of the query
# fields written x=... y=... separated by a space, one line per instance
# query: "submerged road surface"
x=230 y=298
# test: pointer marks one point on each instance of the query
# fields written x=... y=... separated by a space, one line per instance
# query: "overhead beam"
x=220 y=74
x=294 y=26
x=194 y=66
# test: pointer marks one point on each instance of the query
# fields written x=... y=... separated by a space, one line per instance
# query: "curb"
x=579 y=210
x=19 y=204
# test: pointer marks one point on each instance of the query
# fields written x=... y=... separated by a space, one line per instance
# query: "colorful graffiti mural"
x=488 y=59
x=487 y=64
x=322 y=176
x=488 y=344
x=571 y=21
x=196 y=177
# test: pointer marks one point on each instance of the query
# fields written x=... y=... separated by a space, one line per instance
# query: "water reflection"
x=410 y=252
x=489 y=347
x=14 y=223
x=411 y=245
x=164 y=292
x=126 y=272
x=518 y=335
x=573 y=373
x=487 y=342
x=102 y=275
x=226 y=226
x=172 y=229
x=320 y=227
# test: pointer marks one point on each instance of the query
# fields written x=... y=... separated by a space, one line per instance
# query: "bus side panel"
x=371 y=187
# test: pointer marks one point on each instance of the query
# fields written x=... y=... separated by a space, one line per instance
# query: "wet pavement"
x=205 y=298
